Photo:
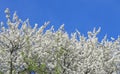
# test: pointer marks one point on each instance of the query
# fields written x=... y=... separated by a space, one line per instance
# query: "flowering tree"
x=24 y=49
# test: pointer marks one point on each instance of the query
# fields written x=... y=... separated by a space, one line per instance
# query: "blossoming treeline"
x=24 y=49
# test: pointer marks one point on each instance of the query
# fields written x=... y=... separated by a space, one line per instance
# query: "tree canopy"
x=24 y=48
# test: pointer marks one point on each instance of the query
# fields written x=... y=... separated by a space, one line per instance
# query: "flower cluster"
x=24 y=49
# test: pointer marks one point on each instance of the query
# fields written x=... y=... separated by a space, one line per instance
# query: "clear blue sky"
x=83 y=15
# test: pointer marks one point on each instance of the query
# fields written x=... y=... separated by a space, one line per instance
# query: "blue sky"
x=83 y=15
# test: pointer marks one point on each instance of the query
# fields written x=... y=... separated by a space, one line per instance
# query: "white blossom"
x=24 y=49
